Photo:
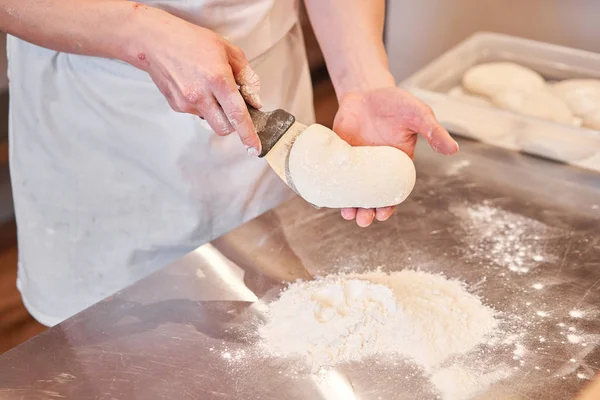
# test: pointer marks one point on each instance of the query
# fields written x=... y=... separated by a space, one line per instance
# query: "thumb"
x=244 y=75
x=437 y=136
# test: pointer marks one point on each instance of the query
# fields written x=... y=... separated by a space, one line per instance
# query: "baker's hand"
x=387 y=117
x=199 y=72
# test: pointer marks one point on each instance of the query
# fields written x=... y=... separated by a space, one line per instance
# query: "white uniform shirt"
x=110 y=184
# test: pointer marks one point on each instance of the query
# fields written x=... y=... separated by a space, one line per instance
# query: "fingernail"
x=382 y=218
x=252 y=151
x=457 y=146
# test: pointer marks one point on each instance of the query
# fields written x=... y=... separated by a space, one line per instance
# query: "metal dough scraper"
x=277 y=131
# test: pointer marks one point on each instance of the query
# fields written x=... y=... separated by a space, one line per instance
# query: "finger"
x=176 y=100
x=235 y=109
x=384 y=213
x=244 y=76
x=212 y=112
x=364 y=217
x=437 y=136
x=348 y=213
x=250 y=92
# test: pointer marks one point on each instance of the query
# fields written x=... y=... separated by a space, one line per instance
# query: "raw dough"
x=540 y=103
x=581 y=95
x=328 y=172
x=577 y=121
x=492 y=78
x=459 y=93
x=592 y=121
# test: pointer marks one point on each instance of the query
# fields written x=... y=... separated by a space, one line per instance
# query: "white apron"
x=110 y=184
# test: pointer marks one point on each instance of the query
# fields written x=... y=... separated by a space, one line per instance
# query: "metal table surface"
x=183 y=332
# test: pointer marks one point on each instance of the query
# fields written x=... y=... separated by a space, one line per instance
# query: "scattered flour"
x=458 y=383
x=576 y=314
x=574 y=339
x=455 y=168
x=505 y=239
x=423 y=317
x=519 y=351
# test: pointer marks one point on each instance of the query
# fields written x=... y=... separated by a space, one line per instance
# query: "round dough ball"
x=542 y=104
x=459 y=93
x=581 y=95
x=328 y=172
x=491 y=78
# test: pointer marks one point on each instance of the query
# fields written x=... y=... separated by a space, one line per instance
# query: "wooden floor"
x=16 y=325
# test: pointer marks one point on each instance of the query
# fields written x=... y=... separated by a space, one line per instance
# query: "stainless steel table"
x=187 y=331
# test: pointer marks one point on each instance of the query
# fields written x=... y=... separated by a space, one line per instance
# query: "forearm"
x=350 y=33
x=104 y=28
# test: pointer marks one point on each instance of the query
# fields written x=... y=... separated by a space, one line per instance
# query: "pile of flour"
x=423 y=317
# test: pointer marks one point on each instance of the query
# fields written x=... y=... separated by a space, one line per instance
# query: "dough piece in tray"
x=541 y=103
x=328 y=172
x=491 y=78
x=581 y=95
x=459 y=93
x=592 y=121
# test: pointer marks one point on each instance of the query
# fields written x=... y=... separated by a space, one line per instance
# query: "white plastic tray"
x=564 y=143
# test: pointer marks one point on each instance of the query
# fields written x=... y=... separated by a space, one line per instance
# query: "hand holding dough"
x=328 y=172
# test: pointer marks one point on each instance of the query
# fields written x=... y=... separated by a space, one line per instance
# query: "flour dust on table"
x=426 y=319
x=505 y=239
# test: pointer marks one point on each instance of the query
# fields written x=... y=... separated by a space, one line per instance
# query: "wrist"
x=362 y=79
x=145 y=29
